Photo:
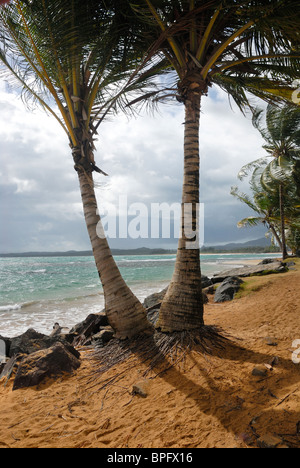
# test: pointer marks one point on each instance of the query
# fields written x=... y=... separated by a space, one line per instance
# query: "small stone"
x=269 y=441
x=260 y=371
x=270 y=341
x=141 y=388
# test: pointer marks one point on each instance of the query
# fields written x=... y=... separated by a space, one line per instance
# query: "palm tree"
x=244 y=47
x=265 y=207
x=281 y=132
x=75 y=58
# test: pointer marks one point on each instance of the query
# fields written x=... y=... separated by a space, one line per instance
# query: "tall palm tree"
x=74 y=58
x=244 y=47
x=281 y=132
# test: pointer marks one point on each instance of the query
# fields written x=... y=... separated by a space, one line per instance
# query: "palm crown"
x=238 y=45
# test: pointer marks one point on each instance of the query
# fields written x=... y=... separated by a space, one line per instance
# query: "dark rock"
x=227 y=290
x=32 y=341
x=210 y=290
x=270 y=341
x=155 y=299
x=103 y=337
x=83 y=331
x=258 y=270
x=260 y=371
x=268 y=261
x=206 y=282
x=51 y=362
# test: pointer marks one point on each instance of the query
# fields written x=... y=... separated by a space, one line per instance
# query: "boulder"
x=155 y=299
x=229 y=287
x=32 y=341
x=257 y=270
x=206 y=282
x=268 y=261
x=83 y=331
x=52 y=362
x=103 y=337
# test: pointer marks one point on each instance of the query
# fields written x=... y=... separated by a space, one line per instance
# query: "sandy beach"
x=207 y=401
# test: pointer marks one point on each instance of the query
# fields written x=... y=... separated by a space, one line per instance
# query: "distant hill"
x=89 y=253
x=256 y=246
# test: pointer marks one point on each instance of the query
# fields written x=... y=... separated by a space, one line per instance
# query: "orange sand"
x=207 y=402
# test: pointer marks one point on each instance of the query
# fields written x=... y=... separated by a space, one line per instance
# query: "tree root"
x=160 y=351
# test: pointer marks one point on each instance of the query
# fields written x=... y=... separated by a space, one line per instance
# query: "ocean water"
x=37 y=292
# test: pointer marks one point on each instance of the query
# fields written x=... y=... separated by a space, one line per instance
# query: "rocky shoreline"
x=32 y=357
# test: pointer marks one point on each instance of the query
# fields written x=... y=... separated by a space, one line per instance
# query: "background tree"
x=243 y=47
x=280 y=128
x=75 y=58
x=266 y=209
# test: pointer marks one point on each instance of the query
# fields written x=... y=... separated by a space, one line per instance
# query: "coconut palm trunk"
x=182 y=308
x=124 y=311
x=79 y=53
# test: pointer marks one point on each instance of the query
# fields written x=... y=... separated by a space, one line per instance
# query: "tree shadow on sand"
x=163 y=355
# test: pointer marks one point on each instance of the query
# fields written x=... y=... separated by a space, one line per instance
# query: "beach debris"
x=274 y=361
x=52 y=362
x=227 y=290
x=58 y=330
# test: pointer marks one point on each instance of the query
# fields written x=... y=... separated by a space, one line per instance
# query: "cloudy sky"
x=40 y=204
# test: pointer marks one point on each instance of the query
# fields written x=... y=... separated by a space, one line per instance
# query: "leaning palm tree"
x=74 y=58
x=281 y=132
x=244 y=47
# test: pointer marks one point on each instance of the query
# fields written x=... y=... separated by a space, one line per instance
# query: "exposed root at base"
x=161 y=351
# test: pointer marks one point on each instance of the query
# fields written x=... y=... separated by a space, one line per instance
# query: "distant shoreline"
x=137 y=252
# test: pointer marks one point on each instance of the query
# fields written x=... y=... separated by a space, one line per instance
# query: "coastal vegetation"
x=275 y=179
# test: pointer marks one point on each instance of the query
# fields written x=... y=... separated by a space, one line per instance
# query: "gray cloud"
x=40 y=204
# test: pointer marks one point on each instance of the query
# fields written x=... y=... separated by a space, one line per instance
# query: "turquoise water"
x=37 y=292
